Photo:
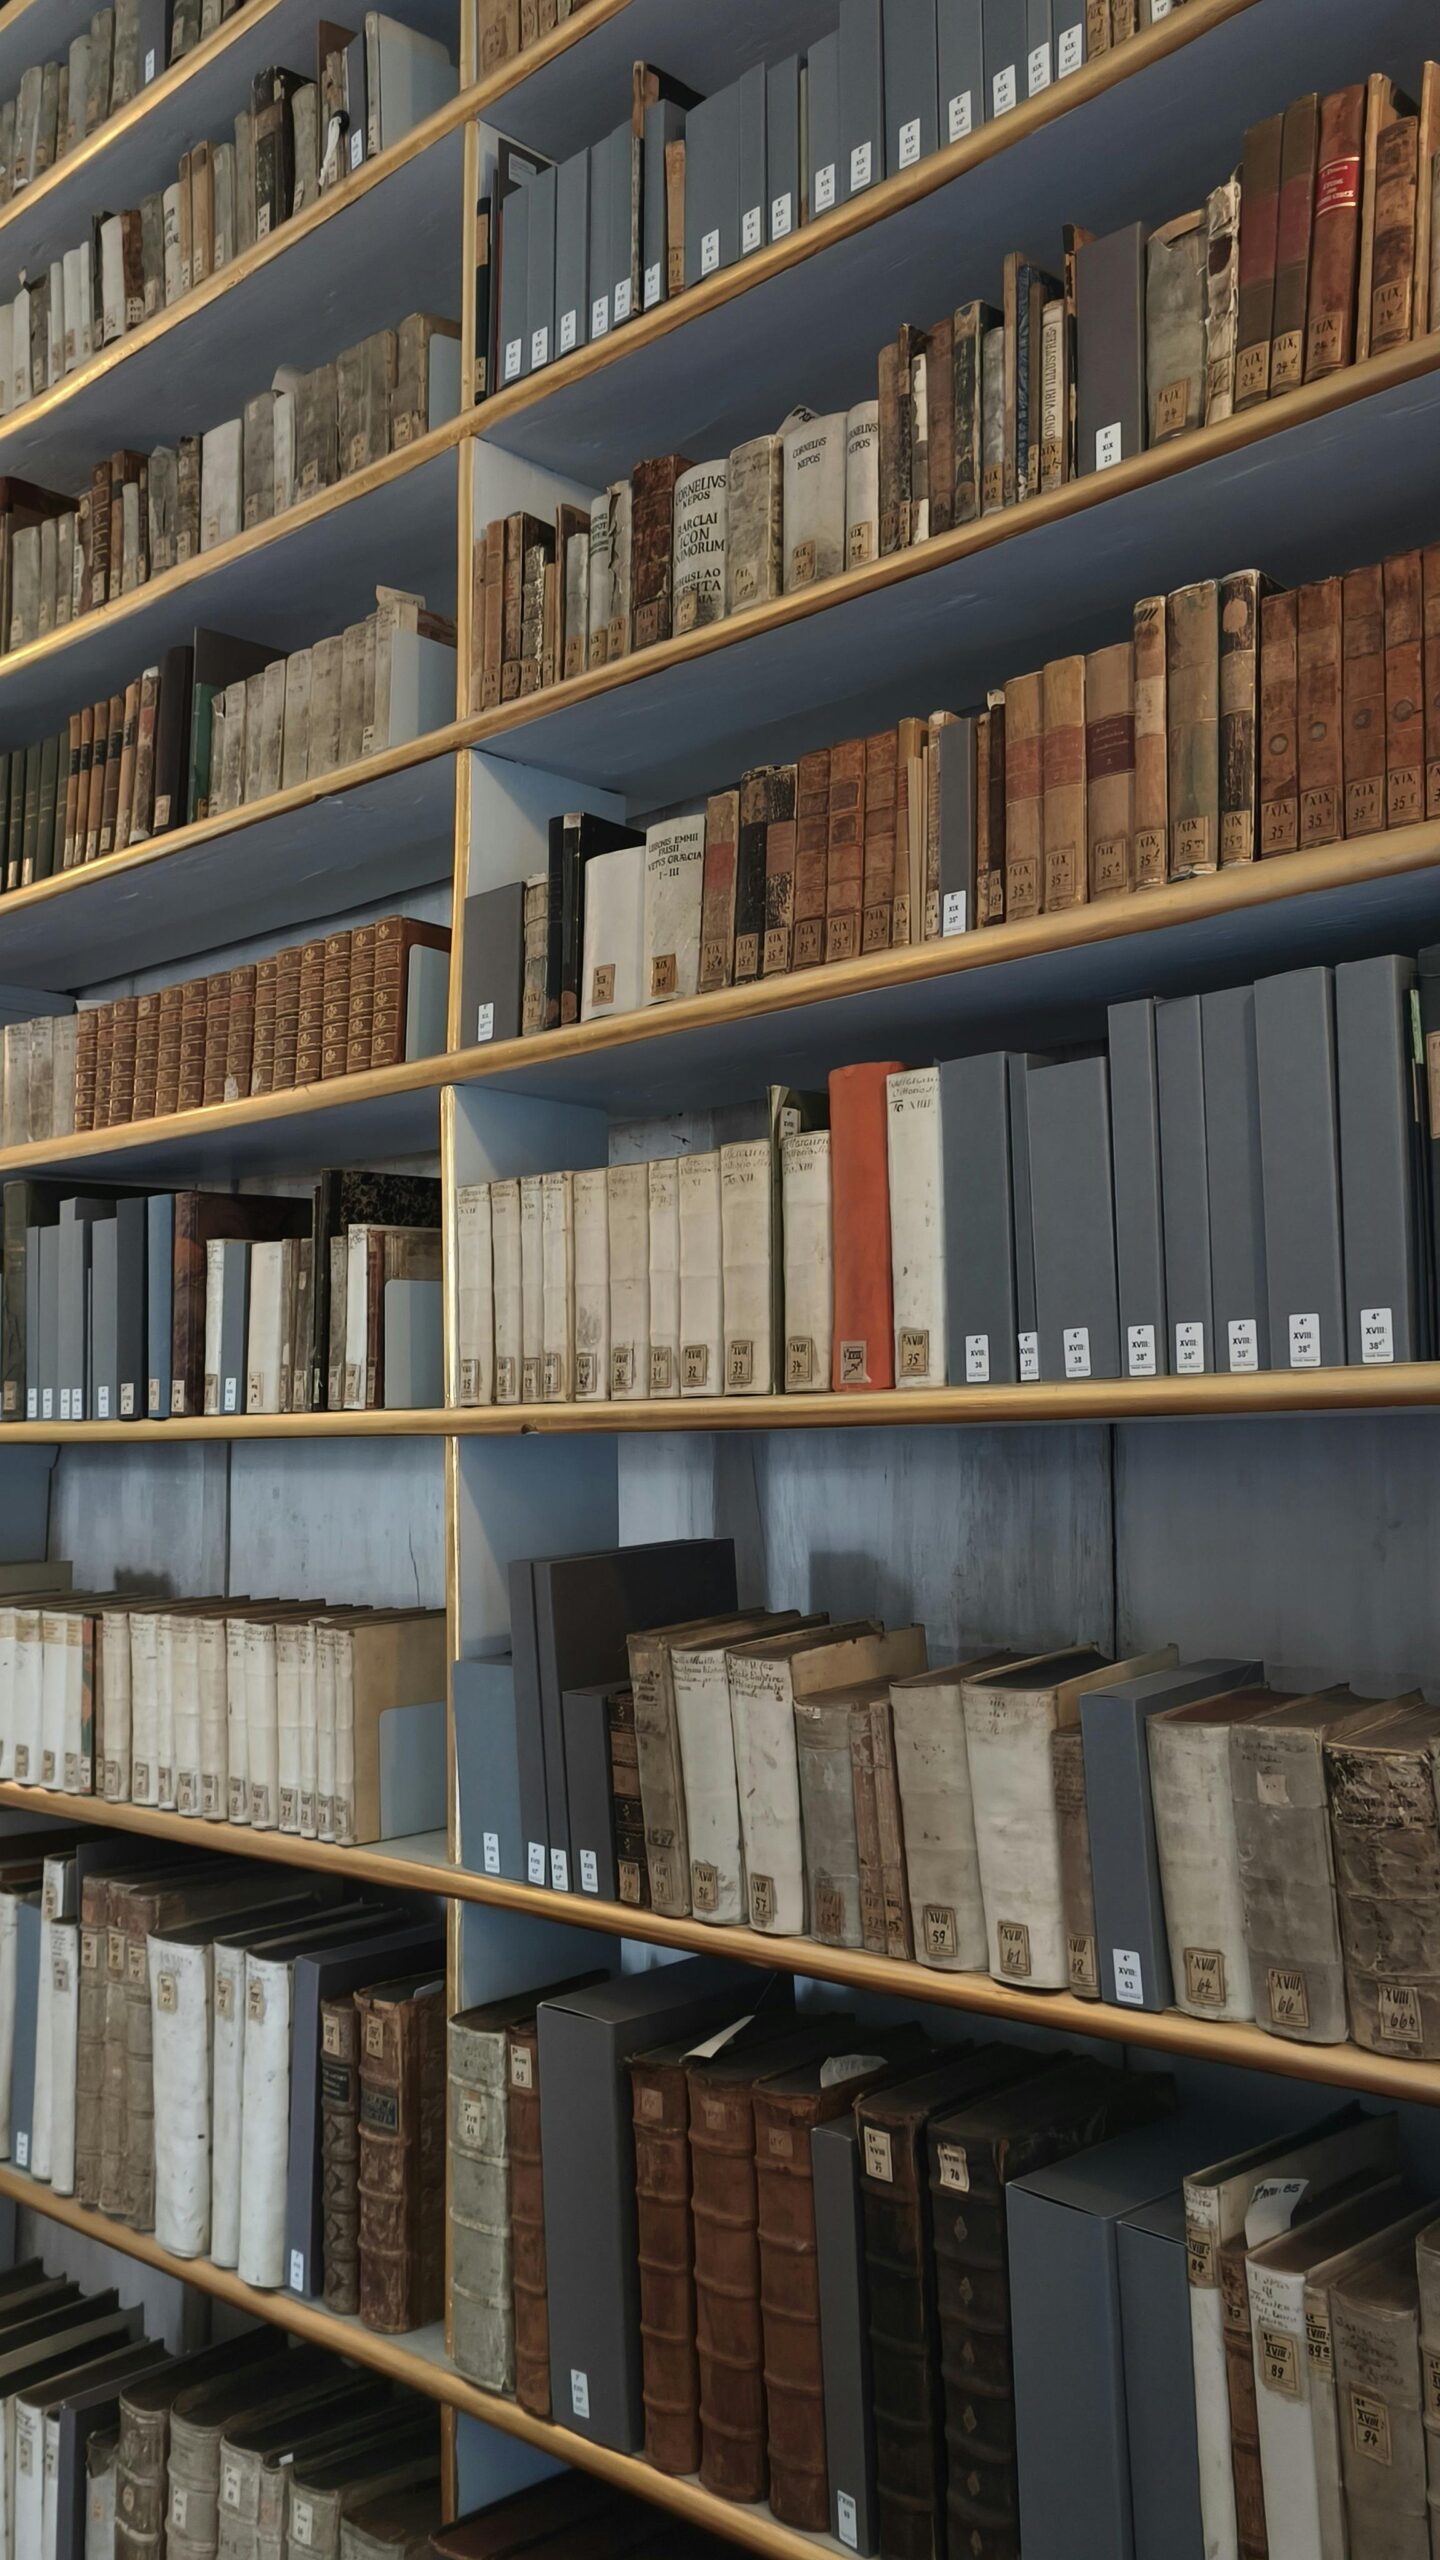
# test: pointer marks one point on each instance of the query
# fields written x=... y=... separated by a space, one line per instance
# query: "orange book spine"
x=864 y=1336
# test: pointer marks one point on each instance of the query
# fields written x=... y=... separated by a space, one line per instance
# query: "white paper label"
x=1244 y=1343
x=1002 y=89
x=1038 y=69
x=31 y=1405
x=1028 y=1345
x=1140 y=1350
x=1377 y=1336
x=1160 y=9
x=64 y=1404
x=229 y=2485
x=535 y=1864
x=569 y=331
x=845 y=2522
x=22 y=2150
x=589 y=1872
x=579 y=2393
x=490 y=1852
x=654 y=286
x=127 y=1403
x=297 y=2270
x=1189 y=1349
x=1077 y=1351
x=620 y=300
x=1108 y=444
x=1129 y=1989
x=909 y=143
x=958 y=117
x=600 y=316
x=514 y=355
x=859 y=167
x=825 y=187
x=752 y=229
x=484 y=1024
x=781 y=216
x=47 y=1404
x=539 y=346
x=232 y=1395
x=709 y=253
x=102 y=1404
x=1305 y=1342
x=357 y=149
x=1069 y=50
x=149 y=66
x=977 y=1359
x=559 y=1871
x=302 y=2523
x=952 y=916
x=877 y=2154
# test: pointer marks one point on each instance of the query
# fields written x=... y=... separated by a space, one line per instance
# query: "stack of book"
x=58 y=104
x=119 y=1305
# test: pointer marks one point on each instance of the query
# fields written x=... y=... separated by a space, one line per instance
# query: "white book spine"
x=262 y=1732
x=701 y=505
x=185 y=1695
x=628 y=1205
x=227 y=2098
x=505 y=1240
x=180 y=1996
x=663 y=1212
x=1283 y=2404
x=29 y=1696
x=1332 y=2540
x=212 y=1681
x=287 y=1723
x=265 y=2110
x=1017 y=1835
x=702 y=1303
x=592 y=1283
x=747 y=1248
x=762 y=1721
x=475 y=1295
x=815 y=500
x=214 y=1308
x=557 y=1218
x=52 y=1699
x=942 y=1862
x=9 y=1908
x=308 y=1669
x=862 y=484
x=712 y=1803
x=28 y=2475
x=144 y=1775
x=265 y=1345
x=41 y=2107
x=532 y=1287
x=613 y=959
x=674 y=872
x=7 y=1693
x=164 y=1712
x=809 y=1260
x=64 y=2029
x=344 y=1736
x=917 y=1225
x=1200 y=1868
x=237 y=1793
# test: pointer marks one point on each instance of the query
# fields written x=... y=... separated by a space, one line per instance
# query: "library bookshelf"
x=1294 y=482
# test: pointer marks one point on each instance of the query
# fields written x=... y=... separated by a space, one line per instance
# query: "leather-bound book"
x=1384 y=103
x=877 y=889
x=1192 y=651
x=812 y=840
x=527 y=2218
x=1385 y=1831
x=729 y=2340
x=990 y=812
x=1239 y=694
x=402 y=2153
x=1321 y=712
x=971 y=322
x=767 y=796
x=1024 y=795
x=556 y=2516
x=1077 y=1884
x=1259 y=225
x=1109 y=769
x=666 y=2251
x=632 y=1867
x=844 y=855
x=1286 y=1861
x=395 y=938
x=1430 y=579
x=1279 y=732
x=203 y=1217
x=1292 y=242
x=1392 y=275
x=141 y=2486
x=1404 y=690
x=900 y=2269
x=1066 y=873
x=1335 y=234
x=974 y=2151
x=1152 y=753
x=717 y=892
x=652 y=542
x=864 y=1347
x=780 y=841
x=894 y=445
x=788 y=2105
x=1383 y=2398
x=1363 y=628
x=340 y=2152
x=939 y=369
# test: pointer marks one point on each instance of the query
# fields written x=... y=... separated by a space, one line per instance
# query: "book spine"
x=1363 y=696
x=1404 y=690
x=671 y=2380
x=1392 y=284
x=1335 y=235
x=1259 y=228
x=1279 y=733
x=1024 y=795
x=1239 y=683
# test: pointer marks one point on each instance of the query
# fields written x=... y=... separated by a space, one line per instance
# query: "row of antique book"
x=216 y=725
x=279 y=1715
x=288 y=144
x=56 y=105
x=111 y=1303
x=144 y=514
x=369 y=996
x=900 y=2289
x=1153 y=1833
x=507 y=27
x=688 y=185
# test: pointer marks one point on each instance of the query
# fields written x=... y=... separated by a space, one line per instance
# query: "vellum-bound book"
x=814 y=504
x=701 y=505
x=826 y=1725
x=753 y=539
x=1385 y=1834
x=698 y=1675
x=1375 y=2339
x=1327 y=2418
x=917 y=1225
x=664 y=1216
x=932 y=1768
x=483 y=2333
x=557 y=1221
x=809 y=1278
x=476 y=1294
x=628 y=1206
x=657 y=1739
x=747 y=1207
x=674 y=869
x=702 y=1330
x=505 y=1248
x=613 y=959
x=590 y=1199
x=766 y=1676
x=1199 y=1857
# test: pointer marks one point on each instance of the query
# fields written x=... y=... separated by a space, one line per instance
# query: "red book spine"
x=864 y=1338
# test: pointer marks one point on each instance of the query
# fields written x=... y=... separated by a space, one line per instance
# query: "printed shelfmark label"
x=102 y=1404
x=1377 y=1337
x=1140 y=1350
x=1028 y=1345
x=1129 y=1977
x=952 y=915
x=490 y=1852
x=958 y=117
x=589 y=1872
x=1038 y=70
x=600 y=316
x=569 y=331
x=1077 y=1351
x=357 y=150
x=1189 y=1349
x=64 y=1404
x=825 y=187
x=149 y=66
x=1109 y=445
x=620 y=299
x=846 y=2525
x=977 y=1359
x=559 y=1871
x=709 y=253
x=514 y=357
x=484 y=1024
x=877 y=2154
x=22 y=2150
x=782 y=216
x=1003 y=91
x=535 y=1863
x=752 y=229
x=1160 y=9
x=1069 y=50
x=908 y=151
x=860 y=167
x=1305 y=1342
x=297 y=2270
x=1244 y=1342
x=653 y=285
x=579 y=2393
x=539 y=347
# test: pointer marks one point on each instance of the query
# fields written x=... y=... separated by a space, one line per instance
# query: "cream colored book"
x=475 y=1294
x=917 y=1225
x=221 y=501
x=763 y=1678
x=702 y=1314
x=237 y=1749
x=1198 y=1853
x=64 y=1955
x=932 y=1769
x=113 y=1746
x=505 y=1240
x=557 y=1223
x=265 y=2109
x=815 y=504
x=747 y=1206
x=185 y=1711
x=663 y=1212
x=262 y=1729
x=862 y=483
x=698 y=565
x=287 y=1725
x=1010 y=1716
x=809 y=1260
x=532 y=1287
x=592 y=1283
x=1333 y=2539
x=613 y=960
x=628 y=1203
x=674 y=866
x=698 y=1672
x=212 y=1677
x=753 y=562
x=265 y=1340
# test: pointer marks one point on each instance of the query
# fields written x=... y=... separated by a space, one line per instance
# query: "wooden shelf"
x=418 y=2363
x=388 y=1113
x=416 y=1422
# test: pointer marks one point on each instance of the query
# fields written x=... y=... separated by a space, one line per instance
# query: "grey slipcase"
x=27 y=1999
x=487 y=1767
x=912 y=83
x=1300 y=1135
x=664 y=122
x=979 y=1231
x=1072 y=1202
x=73 y=1313
x=1184 y=1184
x=751 y=178
x=784 y=182
x=131 y=1229
x=845 y=2363
x=1235 y=1179
x=49 y=1330
x=540 y=268
x=1039 y=47
x=1129 y=1904
x=159 y=1298
x=514 y=341
x=32 y=1324
x=234 y=1323
x=414 y=1346
x=1378 y=1207
x=588 y=2152
x=1135 y=1161
x=712 y=184
x=1022 y=1222
x=492 y=965
x=584 y=1715
x=822 y=100
x=624 y=225
x=572 y=253
x=1005 y=31
x=1071 y=2420
x=861 y=158
x=964 y=97
x=1159 y=2381
x=104 y=1289
x=1110 y=338
x=599 y=249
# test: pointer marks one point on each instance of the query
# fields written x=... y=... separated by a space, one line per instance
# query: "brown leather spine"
x=652 y=544
x=717 y=905
x=1364 y=701
x=1335 y=234
x=812 y=832
x=1404 y=691
x=940 y=400
x=1279 y=734
x=1152 y=767
x=661 y=2115
x=894 y=1894
x=1239 y=706
x=1321 y=718
x=1244 y=2413
x=845 y=850
x=632 y=1867
x=1066 y=875
x=1392 y=286
x=1259 y=230
x=780 y=844
x=1292 y=242
x=527 y=2219
x=1024 y=794
x=1430 y=575
x=402 y=2160
x=340 y=2152
x=878 y=864
x=90 y=2041
x=729 y=2344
